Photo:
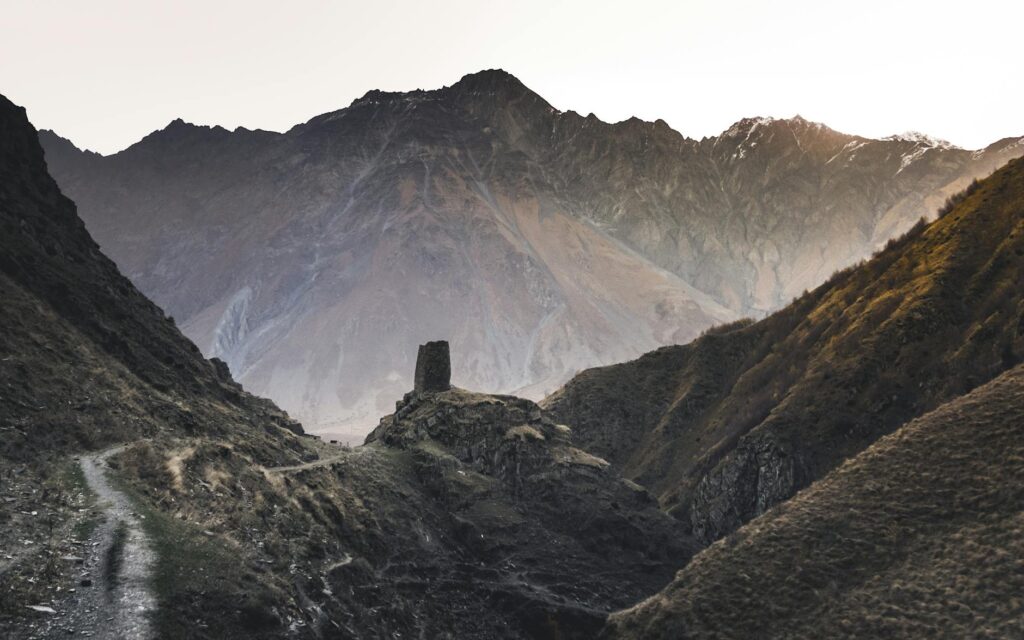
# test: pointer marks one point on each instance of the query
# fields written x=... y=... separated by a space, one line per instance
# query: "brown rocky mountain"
x=468 y=515
x=742 y=418
x=539 y=242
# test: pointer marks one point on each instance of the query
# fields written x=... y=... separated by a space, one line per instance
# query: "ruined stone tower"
x=433 y=367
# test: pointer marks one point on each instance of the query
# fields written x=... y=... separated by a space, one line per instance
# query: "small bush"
x=955 y=199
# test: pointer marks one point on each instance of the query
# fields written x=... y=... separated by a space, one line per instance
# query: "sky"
x=104 y=73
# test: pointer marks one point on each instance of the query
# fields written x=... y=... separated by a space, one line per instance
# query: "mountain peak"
x=748 y=125
x=488 y=79
x=180 y=125
x=922 y=139
x=486 y=82
x=178 y=130
x=492 y=82
x=52 y=140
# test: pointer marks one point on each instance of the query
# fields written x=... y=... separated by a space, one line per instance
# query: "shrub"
x=955 y=199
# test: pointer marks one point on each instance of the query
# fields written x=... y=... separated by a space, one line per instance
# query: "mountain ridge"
x=494 y=81
x=740 y=419
x=562 y=242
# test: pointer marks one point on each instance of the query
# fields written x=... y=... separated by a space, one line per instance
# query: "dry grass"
x=933 y=315
x=922 y=535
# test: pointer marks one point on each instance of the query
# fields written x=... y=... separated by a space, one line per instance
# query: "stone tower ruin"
x=433 y=367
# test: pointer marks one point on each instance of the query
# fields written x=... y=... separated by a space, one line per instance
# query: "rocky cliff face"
x=740 y=419
x=540 y=242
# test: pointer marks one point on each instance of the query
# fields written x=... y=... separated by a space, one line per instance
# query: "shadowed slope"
x=921 y=535
x=87 y=359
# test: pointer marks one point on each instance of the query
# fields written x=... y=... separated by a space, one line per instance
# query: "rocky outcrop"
x=541 y=242
x=502 y=436
x=512 y=441
x=756 y=476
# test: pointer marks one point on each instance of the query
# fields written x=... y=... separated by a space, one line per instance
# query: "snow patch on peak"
x=808 y=124
x=1014 y=144
x=1002 y=146
x=851 y=148
x=923 y=143
x=747 y=126
x=922 y=139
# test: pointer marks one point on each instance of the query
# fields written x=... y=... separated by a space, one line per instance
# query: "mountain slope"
x=67 y=311
x=87 y=361
x=740 y=419
x=469 y=515
x=539 y=242
x=921 y=535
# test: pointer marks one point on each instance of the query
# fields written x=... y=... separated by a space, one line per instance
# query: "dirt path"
x=330 y=454
x=322 y=462
x=113 y=597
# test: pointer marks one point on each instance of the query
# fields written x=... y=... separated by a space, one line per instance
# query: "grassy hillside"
x=743 y=417
x=87 y=361
x=919 y=536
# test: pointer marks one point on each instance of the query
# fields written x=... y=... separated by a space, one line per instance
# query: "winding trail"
x=329 y=455
x=322 y=462
x=113 y=598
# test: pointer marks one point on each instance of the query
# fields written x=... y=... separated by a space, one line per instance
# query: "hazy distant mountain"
x=539 y=242
x=741 y=419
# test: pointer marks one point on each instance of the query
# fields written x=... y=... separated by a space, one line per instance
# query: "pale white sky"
x=106 y=72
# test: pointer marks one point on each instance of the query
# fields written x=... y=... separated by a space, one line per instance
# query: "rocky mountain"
x=918 y=536
x=741 y=419
x=144 y=494
x=540 y=242
x=87 y=359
